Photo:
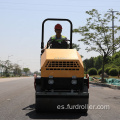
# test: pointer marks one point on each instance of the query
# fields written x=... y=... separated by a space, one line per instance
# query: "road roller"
x=62 y=86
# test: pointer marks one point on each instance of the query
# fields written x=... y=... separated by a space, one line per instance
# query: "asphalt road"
x=17 y=103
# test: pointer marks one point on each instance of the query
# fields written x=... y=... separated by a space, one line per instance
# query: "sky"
x=21 y=25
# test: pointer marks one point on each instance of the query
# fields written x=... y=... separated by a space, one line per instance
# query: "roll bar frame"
x=56 y=19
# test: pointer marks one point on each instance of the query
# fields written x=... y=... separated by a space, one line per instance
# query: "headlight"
x=50 y=82
x=74 y=82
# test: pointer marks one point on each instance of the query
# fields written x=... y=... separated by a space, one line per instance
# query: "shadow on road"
x=33 y=115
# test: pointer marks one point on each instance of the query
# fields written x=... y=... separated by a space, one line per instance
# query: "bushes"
x=92 y=71
x=7 y=75
x=100 y=71
x=113 y=72
x=107 y=70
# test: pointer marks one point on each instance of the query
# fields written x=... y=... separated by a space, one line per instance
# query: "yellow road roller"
x=62 y=86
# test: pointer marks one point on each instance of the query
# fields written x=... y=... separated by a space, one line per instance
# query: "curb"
x=105 y=85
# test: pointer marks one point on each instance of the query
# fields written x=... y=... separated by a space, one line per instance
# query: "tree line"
x=8 y=69
x=96 y=62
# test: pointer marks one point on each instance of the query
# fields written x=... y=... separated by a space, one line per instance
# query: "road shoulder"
x=12 y=78
x=105 y=85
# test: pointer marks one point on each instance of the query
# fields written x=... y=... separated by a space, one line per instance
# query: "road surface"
x=17 y=101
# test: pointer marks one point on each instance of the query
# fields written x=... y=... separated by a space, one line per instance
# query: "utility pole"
x=113 y=29
x=8 y=65
x=18 y=66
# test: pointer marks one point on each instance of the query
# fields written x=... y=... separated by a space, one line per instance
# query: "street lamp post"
x=8 y=60
x=18 y=64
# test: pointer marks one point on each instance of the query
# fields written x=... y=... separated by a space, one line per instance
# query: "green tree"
x=99 y=71
x=75 y=46
x=26 y=70
x=1 y=67
x=7 y=68
x=98 y=62
x=97 y=35
x=91 y=62
x=37 y=73
x=88 y=63
x=16 y=70
x=116 y=59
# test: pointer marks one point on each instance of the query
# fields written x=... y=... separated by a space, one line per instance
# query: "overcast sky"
x=21 y=20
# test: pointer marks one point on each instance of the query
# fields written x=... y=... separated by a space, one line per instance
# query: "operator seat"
x=57 y=45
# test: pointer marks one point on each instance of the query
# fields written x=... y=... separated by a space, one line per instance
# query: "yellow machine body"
x=61 y=63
